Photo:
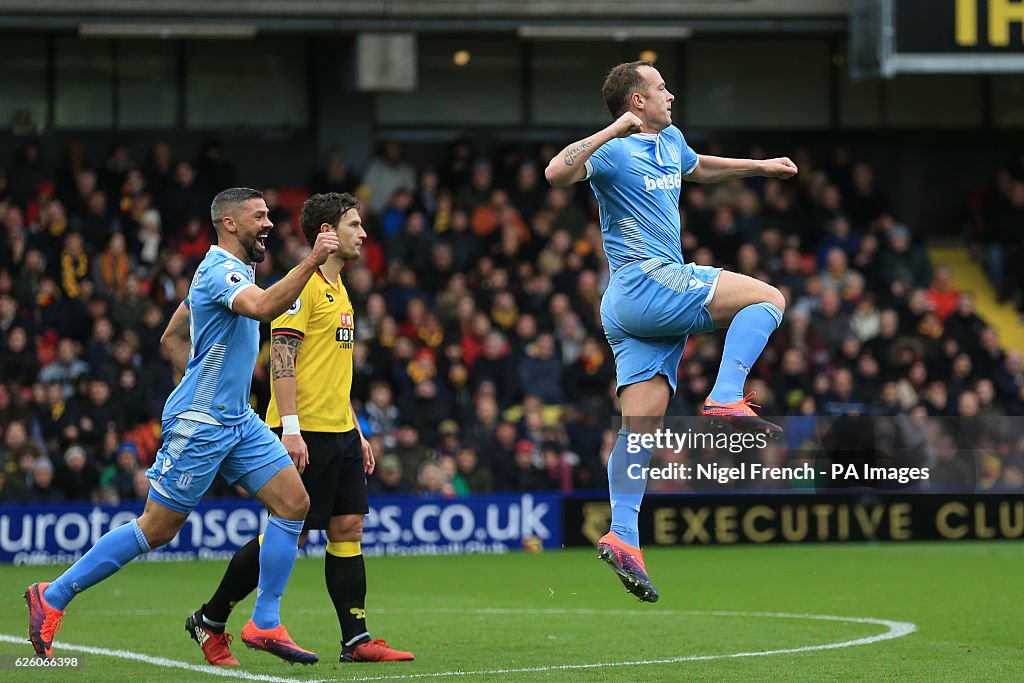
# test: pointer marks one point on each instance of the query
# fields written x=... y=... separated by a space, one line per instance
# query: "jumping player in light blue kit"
x=655 y=300
x=209 y=427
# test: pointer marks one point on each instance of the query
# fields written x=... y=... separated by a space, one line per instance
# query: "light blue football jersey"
x=218 y=376
x=637 y=182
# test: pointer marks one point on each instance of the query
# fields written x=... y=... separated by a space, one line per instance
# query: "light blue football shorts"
x=194 y=452
x=649 y=310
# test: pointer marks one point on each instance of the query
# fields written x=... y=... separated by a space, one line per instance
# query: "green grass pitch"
x=563 y=616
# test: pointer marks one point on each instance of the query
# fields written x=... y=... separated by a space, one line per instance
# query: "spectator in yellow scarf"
x=114 y=266
x=74 y=265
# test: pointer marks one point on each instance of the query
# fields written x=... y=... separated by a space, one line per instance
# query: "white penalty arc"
x=894 y=629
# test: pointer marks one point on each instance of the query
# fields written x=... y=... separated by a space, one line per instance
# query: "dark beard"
x=252 y=253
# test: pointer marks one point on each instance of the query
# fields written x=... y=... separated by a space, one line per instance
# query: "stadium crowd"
x=995 y=215
x=482 y=365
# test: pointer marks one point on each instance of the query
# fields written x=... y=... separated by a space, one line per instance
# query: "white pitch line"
x=158 y=661
x=896 y=629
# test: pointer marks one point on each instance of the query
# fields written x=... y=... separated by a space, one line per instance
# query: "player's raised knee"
x=775 y=298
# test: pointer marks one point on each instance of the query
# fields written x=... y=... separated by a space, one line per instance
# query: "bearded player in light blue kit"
x=655 y=300
x=209 y=427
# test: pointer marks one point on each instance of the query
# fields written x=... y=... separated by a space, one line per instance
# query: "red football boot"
x=216 y=646
x=376 y=650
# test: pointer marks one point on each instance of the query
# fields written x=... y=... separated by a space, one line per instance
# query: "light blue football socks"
x=115 y=549
x=277 y=557
x=627 y=481
x=744 y=343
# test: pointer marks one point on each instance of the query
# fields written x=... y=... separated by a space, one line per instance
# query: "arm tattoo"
x=283 y=350
x=573 y=154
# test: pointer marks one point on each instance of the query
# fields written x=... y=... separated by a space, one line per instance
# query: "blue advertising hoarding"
x=45 y=534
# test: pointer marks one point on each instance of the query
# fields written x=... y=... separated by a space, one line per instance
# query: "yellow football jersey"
x=322 y=317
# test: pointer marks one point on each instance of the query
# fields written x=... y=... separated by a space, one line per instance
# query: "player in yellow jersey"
x=310 y=407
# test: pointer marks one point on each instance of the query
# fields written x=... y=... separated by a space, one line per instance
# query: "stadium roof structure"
x=243 y=18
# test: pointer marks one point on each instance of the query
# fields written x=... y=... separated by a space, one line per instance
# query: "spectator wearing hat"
x=43 y=489
x=448 y=445
x=76 y=477
x=388 y=478
x=118 y=479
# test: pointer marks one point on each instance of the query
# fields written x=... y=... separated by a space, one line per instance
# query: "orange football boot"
x=43 y=621
x=628 y=563
x=740 y=415
x=277 y=642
